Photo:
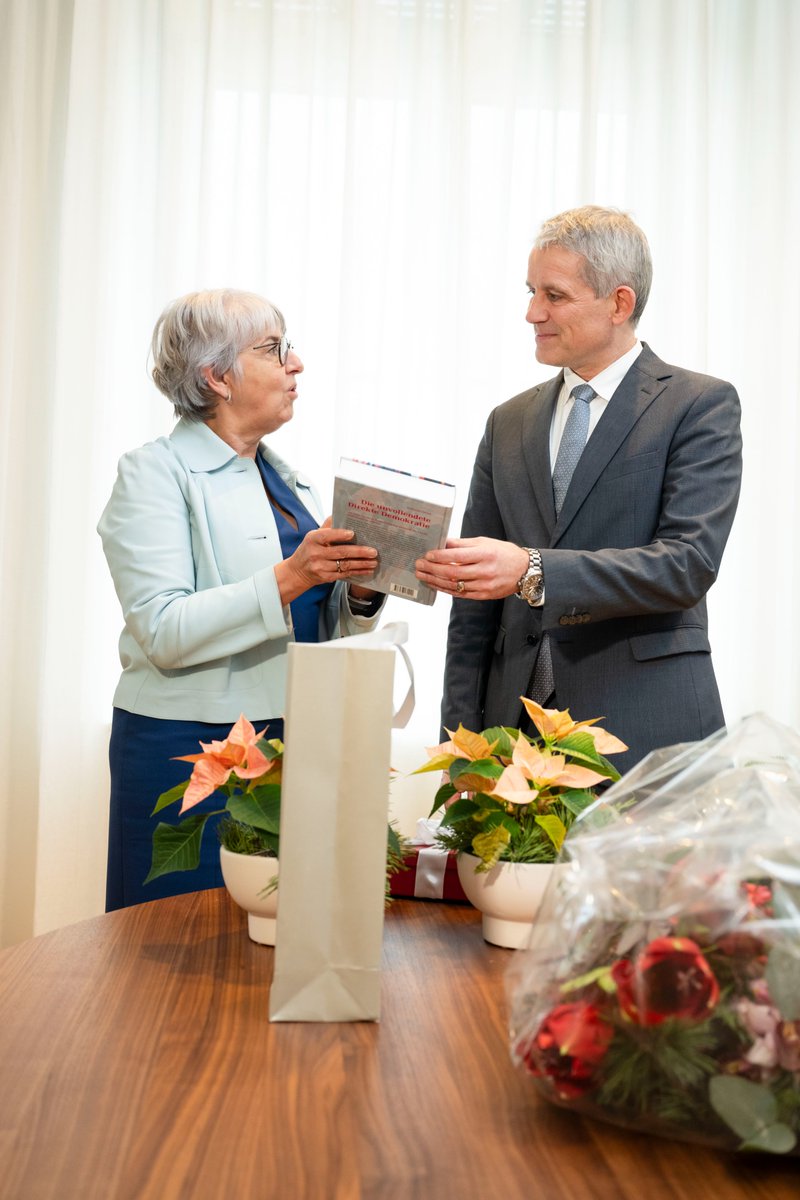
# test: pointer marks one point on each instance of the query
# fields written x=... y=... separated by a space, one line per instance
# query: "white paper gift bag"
x=334 y=815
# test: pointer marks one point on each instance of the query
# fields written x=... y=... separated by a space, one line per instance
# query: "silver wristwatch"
x=531 y=585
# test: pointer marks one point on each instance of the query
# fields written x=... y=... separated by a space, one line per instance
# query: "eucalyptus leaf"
x=783 y=979
x=748 y=1108
x=776 y=1139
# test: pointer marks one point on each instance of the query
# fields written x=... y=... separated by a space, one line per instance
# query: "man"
x=596 y=519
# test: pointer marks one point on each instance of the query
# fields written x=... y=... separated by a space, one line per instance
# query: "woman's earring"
x=229 y=399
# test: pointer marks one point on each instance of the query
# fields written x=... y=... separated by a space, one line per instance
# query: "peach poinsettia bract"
x=511 y=794
x=531 y=768
x=558 y=724
x=239 y=752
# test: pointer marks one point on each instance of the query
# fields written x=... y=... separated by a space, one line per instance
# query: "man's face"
x=574 y=328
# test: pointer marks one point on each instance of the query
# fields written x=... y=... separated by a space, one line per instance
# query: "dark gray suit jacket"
x=627 y=564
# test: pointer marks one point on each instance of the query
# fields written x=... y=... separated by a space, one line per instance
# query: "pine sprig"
x=660 y=1072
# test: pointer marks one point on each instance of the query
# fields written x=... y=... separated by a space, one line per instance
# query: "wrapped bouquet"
x=661 y=989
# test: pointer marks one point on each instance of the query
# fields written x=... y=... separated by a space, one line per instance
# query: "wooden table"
x=136 y=1060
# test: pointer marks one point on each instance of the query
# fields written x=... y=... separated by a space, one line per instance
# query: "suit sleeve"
x=473 y=623
x=680 y=529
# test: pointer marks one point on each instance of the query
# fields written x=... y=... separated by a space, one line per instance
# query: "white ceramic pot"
x=508 y=895
x=246 y=876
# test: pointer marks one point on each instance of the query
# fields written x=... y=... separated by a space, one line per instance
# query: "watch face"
x=531 y=587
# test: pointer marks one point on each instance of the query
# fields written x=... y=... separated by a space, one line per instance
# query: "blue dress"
x=142 y=750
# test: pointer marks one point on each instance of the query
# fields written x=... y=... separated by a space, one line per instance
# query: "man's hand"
x=474 y=568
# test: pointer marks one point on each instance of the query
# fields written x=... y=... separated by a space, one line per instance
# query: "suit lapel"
x=536 y=424
x=645 y=380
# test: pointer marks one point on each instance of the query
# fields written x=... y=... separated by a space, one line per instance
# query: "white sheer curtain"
x=378 y=168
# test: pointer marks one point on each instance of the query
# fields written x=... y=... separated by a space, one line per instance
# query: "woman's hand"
x=474 y=568
x=324 y=556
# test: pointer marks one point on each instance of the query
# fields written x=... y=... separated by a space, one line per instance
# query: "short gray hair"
x=614 y=249
x=201 y=330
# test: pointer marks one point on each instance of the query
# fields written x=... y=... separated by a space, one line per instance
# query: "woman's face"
x=264 y=391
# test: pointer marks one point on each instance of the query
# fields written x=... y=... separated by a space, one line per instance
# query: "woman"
x=219 y=561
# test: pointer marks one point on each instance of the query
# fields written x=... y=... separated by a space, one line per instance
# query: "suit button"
x=531 y=639
x=563 y=620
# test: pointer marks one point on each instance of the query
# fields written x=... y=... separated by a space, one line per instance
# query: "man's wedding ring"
x=339 y=566
x=461 y=586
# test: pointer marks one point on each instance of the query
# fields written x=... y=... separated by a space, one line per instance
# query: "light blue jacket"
x=191 y=542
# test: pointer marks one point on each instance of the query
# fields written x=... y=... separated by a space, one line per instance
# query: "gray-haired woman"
x=220 y=558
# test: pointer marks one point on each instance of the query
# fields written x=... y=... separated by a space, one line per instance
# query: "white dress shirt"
x=605 y=384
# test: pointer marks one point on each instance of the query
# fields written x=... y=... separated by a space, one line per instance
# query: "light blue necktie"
x=573 y=440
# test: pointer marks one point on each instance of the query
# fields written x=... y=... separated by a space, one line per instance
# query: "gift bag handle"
x=395 y=633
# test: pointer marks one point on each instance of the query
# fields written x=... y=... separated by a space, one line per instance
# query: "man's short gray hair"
x=202 y=330
x=614 y=249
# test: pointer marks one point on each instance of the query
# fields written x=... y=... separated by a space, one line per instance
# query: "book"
x=402 y=515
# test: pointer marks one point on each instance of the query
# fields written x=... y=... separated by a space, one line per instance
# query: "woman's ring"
x=461 y=586
x=339 y=566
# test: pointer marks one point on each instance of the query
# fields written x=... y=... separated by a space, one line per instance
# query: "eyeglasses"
x=275 y=346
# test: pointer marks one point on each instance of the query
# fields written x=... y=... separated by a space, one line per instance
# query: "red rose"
x=743 y=946
x=570 y=1042
x=670 y=978
x=759 y=896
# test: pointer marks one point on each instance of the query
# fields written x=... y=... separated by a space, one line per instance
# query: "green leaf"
x=442 y=796
x=776 y=1139
x=599 y=975
x=579 y=745
x=394 y=842
x=581 y=748
x=441 y=762
x=269 y=751
x=489 y=846
x=486 y=803
x=260 y=808
x=171 y=796
x=577 y=799
x=177 y=847
x=483 y=768
x=751 y=1111
x=783 y=978
x=504 y=738
x=460 y=810
x=554 y=828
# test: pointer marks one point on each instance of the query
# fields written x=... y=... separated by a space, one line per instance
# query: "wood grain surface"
x=137 y=1061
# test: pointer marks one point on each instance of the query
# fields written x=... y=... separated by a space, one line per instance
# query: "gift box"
x=430 y=873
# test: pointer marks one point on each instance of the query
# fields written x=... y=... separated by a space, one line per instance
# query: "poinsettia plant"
x=243 y=775
x=513 y=797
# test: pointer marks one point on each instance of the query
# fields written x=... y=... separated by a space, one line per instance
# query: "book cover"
x=402 y=515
